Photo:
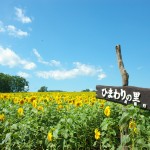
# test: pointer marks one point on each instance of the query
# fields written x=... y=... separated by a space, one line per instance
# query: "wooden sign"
x=125 y=95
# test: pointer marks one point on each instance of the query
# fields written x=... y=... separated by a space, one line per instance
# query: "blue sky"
x=70 y=44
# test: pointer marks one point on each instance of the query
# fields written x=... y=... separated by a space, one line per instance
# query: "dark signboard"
x=125 y=95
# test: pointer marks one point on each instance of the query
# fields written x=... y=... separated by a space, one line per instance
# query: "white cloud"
x=23 y=74
x=37 y=54
x=9 y=58
x=40 y=59
x=101 y=76
x=2 y=29
x=21 y=16
x=27 y=65
x=84 y=69
x=13 y=31
x=78 y=70
x=55 y=63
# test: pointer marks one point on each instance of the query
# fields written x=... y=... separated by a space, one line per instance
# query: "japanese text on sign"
x=122 y=95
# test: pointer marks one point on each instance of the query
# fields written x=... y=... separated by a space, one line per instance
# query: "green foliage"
x=86 y=90
x=12 y=83
x=43 y=89
x=73 y=127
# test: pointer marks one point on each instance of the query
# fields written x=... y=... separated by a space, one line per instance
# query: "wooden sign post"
x=124 y=94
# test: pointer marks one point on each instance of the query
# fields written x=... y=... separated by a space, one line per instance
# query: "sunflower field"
x=70 y=121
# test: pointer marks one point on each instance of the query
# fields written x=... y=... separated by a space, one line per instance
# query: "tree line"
x=45 y=89
x=10 y=83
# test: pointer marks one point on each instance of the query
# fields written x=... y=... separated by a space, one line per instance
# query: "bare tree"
x=124 y=74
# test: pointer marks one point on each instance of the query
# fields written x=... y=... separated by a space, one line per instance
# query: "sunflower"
x=49 y=136
x=2 y=117
x=136 y=130
x=20 y=111
x=40 y=108
x=107 y=111
x=97 y=134
x=34 y=103
x=132 y=124
x=21 y=102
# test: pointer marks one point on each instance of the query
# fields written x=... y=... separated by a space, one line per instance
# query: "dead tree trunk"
x=125 y=77
x=124 y=74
